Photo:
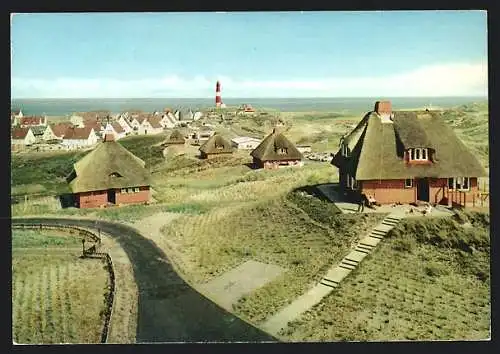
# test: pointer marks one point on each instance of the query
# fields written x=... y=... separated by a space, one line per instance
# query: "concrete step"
x=350 y=262
x=379 y=232
x=364 y=248
x=377 y=236
x=328 y=282
x=369 y=241
x=389 y=223
x=355 y=256
x=347 y=266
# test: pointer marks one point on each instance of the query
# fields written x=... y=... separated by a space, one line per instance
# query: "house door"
x=111 y=196
x=423 y=189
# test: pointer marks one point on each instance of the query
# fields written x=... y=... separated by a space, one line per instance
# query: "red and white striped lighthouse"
x=218 y=99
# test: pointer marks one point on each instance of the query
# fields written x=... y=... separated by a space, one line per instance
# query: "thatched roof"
x=217 y=144
x=176 y=137
x=269 y=148
x=109 y=165
x=377 y=149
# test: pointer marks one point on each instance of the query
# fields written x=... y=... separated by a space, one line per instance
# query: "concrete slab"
x=337 y=274
x=372 y=241
x=356 y=256
x=226 y=289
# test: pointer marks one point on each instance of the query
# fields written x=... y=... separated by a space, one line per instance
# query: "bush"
x=434 y=269
x=406 y=244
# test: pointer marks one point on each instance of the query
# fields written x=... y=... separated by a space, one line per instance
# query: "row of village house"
x=86 y=129
x=395 y=157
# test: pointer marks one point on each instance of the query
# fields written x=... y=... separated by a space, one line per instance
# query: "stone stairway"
x=333 y=277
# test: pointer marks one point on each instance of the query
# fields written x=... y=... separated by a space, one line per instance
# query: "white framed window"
x=418 y=154
x=459 y=183
x=136 y=189
x=124 y=190
x=408 y=183
x=130 y=190
x=345 y=150
x=354 y=183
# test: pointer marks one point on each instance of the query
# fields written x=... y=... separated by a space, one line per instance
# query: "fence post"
x=83 y=247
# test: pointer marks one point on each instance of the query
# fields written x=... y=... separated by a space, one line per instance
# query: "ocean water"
x=61 y=107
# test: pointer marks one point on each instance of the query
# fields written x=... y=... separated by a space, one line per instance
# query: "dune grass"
x=429 y=280
x=56 y=296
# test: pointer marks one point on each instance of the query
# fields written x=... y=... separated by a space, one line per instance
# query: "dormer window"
x=282 y=151
x=418 y=154
x=115 y=174
x=219 y=147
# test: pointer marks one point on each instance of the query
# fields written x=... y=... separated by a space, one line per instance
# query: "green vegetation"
x=224 y=237
x=30 y=238
x=56 y=296
x=429 y=280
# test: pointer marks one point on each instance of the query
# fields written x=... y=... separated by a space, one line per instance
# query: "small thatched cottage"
x=276 y=151
x=407 y=157
x=109 y=174
x=217 y=145
x=175 y=138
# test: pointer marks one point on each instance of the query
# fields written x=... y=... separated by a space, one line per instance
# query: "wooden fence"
x=90 y=253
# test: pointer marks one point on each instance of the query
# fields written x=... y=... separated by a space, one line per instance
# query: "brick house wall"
x=392 y=191
x=97 y=199
x=389 y=191
x=91 y=199
x=142 y=196
x=280 y=164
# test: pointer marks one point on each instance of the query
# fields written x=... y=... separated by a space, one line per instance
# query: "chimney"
x=382 y=107
x=384 y=110
x=109 y=137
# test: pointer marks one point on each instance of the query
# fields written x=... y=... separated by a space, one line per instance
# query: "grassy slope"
x=56 y=296
x=429 y=280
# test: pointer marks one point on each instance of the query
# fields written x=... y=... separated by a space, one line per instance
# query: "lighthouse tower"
x=218 y=99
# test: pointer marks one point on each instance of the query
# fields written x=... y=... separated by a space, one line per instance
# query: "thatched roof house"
x=217 y=145
x=176 y=138
x=407 y=148
x=110 y=174
x=276 y=151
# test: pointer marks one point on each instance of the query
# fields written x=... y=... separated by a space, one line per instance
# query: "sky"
x=253 y=54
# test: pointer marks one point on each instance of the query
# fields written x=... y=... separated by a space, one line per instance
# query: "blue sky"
x=254 y=54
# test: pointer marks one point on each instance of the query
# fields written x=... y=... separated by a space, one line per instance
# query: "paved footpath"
x=333 y=277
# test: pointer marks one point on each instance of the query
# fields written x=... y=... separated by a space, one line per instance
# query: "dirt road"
x=169 y=309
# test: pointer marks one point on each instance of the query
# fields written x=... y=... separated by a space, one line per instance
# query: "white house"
x=55 y=131
x=22 y=136
x=245 y=143
x=115 y=129
x=75 y=138
x=136 y=123
x=304 y=148
x=198 y=115
x=125 y=124
x=150 y=125
x=168 y=121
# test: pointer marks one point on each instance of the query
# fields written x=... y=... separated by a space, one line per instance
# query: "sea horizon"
x=67 y=106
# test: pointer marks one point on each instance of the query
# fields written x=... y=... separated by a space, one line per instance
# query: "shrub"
x=434 y=269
